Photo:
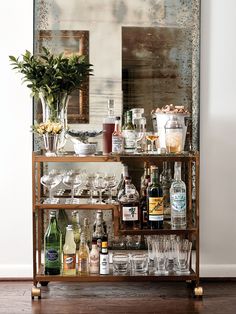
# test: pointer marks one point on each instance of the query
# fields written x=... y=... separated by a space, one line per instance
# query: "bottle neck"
x=154 y=176
x=117 y=126
x=69 y=236
x=177 y=175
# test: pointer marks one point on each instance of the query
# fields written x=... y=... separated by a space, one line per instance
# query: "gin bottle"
x=178 y=200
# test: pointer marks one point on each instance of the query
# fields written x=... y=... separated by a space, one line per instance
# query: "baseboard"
x=16 y=271
x=218 y=270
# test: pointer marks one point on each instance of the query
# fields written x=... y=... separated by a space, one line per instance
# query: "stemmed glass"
x=100 y=184
x=111 y=184
x=152 y=137
x=72 y=180
x=90 y=177
x=50 y=181
x=138 y=137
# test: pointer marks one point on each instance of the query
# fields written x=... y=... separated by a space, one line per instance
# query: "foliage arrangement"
x=51 y=74
x=49 y=127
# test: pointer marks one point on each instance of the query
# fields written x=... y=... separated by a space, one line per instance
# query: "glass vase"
x=51 y=143
x=54 y=108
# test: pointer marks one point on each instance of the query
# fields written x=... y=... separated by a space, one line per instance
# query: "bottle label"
x=129 y=213
x=69 y=261
x=129 y=139
x=178 y=203
x=83 y=265
x=117 y=144
x=94 y=263
x=156 y=209
x=52 y=255
x=104 y=264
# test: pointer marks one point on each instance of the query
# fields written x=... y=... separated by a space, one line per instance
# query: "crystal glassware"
x=72 y=180
x=89 y=179
x=100 y=185
x=152 y=137
x=111 y=184
x=50 y=181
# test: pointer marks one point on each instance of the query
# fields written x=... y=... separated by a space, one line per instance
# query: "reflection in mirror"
x=145 y=52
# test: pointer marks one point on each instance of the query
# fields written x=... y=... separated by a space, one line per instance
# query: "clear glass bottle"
x=52 y=247
x=130 y=207
x=139 y=122
x=155 y=201
x=144 y=182
x=87 y=232
x=69 y=253
x=178 y=200
x=128 y=133
x=166 y=180
x=83 y=256
x=99 y=229
x=124 y=175
x=108 y=128
x=76 y=227
x=94 y=258
x=117 y=138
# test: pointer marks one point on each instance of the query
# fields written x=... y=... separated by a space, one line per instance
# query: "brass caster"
x=36 y=292
x=198 y=292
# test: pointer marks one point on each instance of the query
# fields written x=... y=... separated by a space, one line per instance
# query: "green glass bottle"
x=155 y=201
x=52 y=247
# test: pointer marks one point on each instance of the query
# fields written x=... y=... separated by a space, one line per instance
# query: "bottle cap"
x=118 y=118
x=69 y=228
x=104 y=244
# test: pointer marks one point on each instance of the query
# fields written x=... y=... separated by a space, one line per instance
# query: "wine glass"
x=152 y=137
x=90 y=177
x=111 y=183
x=50 y=181
x=72 y=180
x=100 y=184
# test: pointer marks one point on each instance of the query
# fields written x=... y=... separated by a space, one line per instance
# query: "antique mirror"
x=145 y=53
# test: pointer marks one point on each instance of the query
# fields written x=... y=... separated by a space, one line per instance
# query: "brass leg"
x=35 y=292
x=198 y=291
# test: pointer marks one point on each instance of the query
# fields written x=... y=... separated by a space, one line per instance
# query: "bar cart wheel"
x=44 y=283
x=35 y=292
x=198 y=292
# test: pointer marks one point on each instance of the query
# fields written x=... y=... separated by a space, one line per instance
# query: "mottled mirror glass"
x=145 y=54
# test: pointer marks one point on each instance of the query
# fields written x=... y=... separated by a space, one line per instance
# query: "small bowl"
x=83 y=149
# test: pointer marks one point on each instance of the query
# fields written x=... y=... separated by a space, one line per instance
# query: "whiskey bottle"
x=83 y=256
x=145 y=180
x=166 y=180
x=178 y=200
x=52 y=247
x=104 y=258
x=69 y=253
x=155 y=201
x=117 y=138
x=130 y=207
x=128 y=133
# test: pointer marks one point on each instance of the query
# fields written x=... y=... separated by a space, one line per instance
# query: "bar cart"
x=190 y=161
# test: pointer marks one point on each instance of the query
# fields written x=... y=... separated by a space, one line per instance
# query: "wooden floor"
x=122 y=298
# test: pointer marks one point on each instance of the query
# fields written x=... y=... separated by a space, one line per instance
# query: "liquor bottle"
x=108 y=128
x=139 y=122
x=83 y=256
x=94 y=258
x=178 y=200
x=166 y=180
x=104 y=258
x=87 y=232
x=117 y=138
x=52 y=247
x=100 y=229
x=69 y=253
x=128 y=133
x=121 y=184
x=155 y=201
x=145 y=180
x=130 y=207
x=76 y=227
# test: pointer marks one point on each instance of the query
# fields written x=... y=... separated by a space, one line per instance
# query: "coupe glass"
x=90 y=177
x=72 y=180
x=100 y=185
x=138 y=137
x=152 y=137
x=50 y=181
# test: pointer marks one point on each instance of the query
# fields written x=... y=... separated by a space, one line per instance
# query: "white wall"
x=16 y=22
x=218 y=112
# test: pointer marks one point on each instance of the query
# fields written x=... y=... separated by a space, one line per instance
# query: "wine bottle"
x=155 y=201
x=145 y=180
x=128 y=133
